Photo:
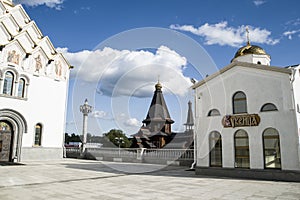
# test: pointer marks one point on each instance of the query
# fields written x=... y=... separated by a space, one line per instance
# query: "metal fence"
x=135 y=153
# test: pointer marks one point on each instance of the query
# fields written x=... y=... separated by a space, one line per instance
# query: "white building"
x=295 y=79
x=245 y=115
x=33 y=89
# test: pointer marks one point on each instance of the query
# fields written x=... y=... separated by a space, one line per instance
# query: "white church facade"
x=33 y=89
x=247 y=115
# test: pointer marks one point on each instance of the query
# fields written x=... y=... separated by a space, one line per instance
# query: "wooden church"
x=156 y=131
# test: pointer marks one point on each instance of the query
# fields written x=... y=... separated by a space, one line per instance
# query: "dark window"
x=213 y=112
x=239 y=102
x=215 y=147
x=38 y=135
x=272 y=155
x=258 y=62
x=268 y=107
x=21 y=88
x=241 y=144
x=8 y=83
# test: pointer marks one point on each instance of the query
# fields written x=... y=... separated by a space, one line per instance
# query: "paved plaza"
x=71 y=179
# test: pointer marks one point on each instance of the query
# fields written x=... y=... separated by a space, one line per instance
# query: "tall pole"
x=119 y=140
x=85 y=109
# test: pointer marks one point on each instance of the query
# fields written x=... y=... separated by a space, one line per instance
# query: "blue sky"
x=93 y=33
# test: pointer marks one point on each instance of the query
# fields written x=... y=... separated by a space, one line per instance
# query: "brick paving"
x=70 y=179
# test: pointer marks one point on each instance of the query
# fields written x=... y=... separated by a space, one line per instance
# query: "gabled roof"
x=158 y=110
x=242 y=64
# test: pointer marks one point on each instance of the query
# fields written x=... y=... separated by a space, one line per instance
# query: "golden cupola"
x=250 y=49
x=252 y=54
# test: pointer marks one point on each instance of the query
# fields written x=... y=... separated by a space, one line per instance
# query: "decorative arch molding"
x=27 y=80
x=19 y=126
x=13 y=70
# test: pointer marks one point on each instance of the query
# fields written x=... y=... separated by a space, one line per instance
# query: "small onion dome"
x=158 y=86
x=250 y=49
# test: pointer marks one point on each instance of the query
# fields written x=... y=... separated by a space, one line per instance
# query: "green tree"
x=117 y=136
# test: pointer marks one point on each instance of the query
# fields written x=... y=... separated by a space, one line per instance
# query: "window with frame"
x=21 y=87
x=215 y=147
x=8 y=83
x=38 y=135
x=241 y=145
x=268 y=107
x=272 y=156
x=239 y=103
x=213 y=112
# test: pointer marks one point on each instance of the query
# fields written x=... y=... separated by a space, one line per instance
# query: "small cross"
x=248 y=40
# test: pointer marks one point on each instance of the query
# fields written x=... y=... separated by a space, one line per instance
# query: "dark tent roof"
x=158 y=110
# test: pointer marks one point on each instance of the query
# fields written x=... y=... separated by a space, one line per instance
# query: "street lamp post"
x=120 y=141
x=85 y=109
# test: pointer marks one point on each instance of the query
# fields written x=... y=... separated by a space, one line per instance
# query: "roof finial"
x=248 y=40
x=158 y=86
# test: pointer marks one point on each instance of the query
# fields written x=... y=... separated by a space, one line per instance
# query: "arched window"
x=258 y=62
x=21 y=88
x=38 y=135
x=241 y=144
x=8 y=83
x=215 y=147
x=213 y=112
x=268 y=107
x=239 y=103
x=272 y=155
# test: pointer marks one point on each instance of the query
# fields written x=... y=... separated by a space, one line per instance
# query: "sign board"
x=232 y=121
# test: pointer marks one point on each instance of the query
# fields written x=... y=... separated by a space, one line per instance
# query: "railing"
x=137 y=153
x=114 y=152
x=173 y=154
x=72 y=152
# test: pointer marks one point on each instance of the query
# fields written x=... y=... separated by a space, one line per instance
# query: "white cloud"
x=289 y=34
x=130 y=73
x=222 y=34
x=57 y=4
x=99 y=114
x=259 y=2
x=132 y=122
x=293 y=22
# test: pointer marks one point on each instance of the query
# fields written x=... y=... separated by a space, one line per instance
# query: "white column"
x=85 y=109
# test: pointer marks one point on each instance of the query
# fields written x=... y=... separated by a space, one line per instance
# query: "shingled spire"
x=158 y=117
x=190 y=119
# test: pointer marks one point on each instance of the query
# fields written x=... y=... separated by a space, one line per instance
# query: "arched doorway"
x=6 y=141
x=13 y=126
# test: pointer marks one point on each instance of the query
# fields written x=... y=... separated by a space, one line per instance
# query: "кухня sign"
x=240 y=120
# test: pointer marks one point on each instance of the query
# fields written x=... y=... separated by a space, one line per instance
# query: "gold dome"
x=158 y=86
x=250 y=49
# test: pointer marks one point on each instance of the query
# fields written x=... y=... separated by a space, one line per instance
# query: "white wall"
x=45 y=104
x=260 y=87
x=45 y=101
